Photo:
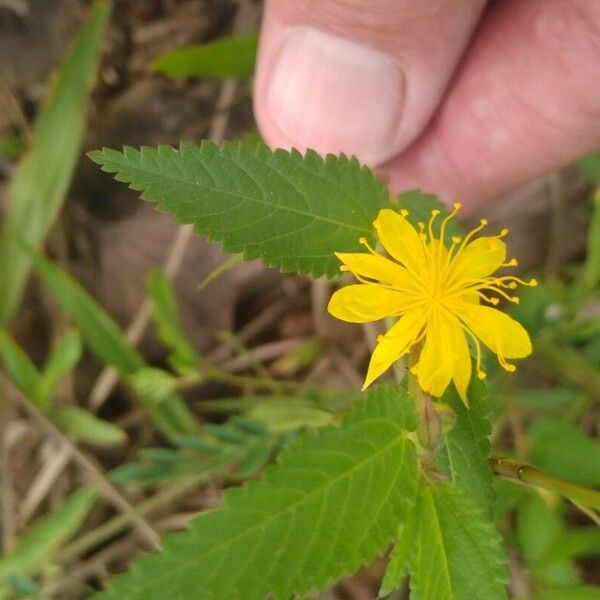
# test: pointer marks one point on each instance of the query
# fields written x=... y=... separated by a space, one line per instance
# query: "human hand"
x=447 y=95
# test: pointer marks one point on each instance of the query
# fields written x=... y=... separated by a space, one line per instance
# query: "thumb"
x=355 y=77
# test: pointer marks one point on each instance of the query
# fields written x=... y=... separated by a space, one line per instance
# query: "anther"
x=483 y=222
x=533 y=282
x=481 y=374
x=514 y=300
x=362 y=240
x=512 y=285
x=504 y=232
x=403 y=212
x=344 y=268
x=456 y=239
x=457 y=206
x=508 y=367
x=421 y=225
x=494 y=301
x=435 y=212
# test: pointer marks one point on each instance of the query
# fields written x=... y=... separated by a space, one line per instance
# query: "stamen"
x=480 y=371
x=513 y=262
x=503 y=232
x=404 y=213
x=434 y=213
x=450 y=216
x=491 y=300
x=363 y=241
x=469 y=236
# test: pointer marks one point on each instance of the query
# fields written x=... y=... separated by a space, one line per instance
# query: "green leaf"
x=289 y=210
x=101 y=333
x=227 y=57
x=331 y=504
x=38 y=544
x=458 y=553
x=466 y=449
x=11 y=146
x=400 y=556
x=18 y=366
x=168 y=323
x=590 y=166
x=63 y=357
x=87 y=427
x=538 y=526
x=564 y=451
x=107 y=342
x=39 y=188
x=581 y=541
x=583 y=592
x=591 y=268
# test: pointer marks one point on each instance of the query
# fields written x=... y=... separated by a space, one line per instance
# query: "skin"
x=466 y=98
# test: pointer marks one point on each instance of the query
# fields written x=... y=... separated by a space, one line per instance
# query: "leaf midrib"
x=241 y=196
x=396 y=440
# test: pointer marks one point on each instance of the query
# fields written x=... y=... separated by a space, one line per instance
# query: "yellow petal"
x=463 y=368
x=400 y=239
x=496 y=330
x=479 y=259
x=394 y=344
x=361 y=303
x=436 y=363
x=378 y=267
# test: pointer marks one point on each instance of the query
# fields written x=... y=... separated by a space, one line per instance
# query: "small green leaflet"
x=291 y=211
x=457 y=553
x=36 y=546
x=329 y=506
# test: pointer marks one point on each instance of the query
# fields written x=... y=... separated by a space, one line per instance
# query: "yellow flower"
x=435 y=292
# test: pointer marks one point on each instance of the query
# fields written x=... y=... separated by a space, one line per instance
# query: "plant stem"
x=214 y=374
x=524 y=473
x=119 y=523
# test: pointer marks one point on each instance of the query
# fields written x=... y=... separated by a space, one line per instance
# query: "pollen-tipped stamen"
x=480 y=372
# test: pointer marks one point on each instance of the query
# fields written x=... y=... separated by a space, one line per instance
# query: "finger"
x=355 y=77
x=526 y=100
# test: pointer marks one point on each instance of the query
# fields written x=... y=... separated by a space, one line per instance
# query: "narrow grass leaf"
x=169 y=328
x=39 y=542
x=227 y=57
x=18 y=366
x=39 y=187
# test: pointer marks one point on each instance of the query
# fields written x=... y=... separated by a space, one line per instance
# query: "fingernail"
x=336 y=95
